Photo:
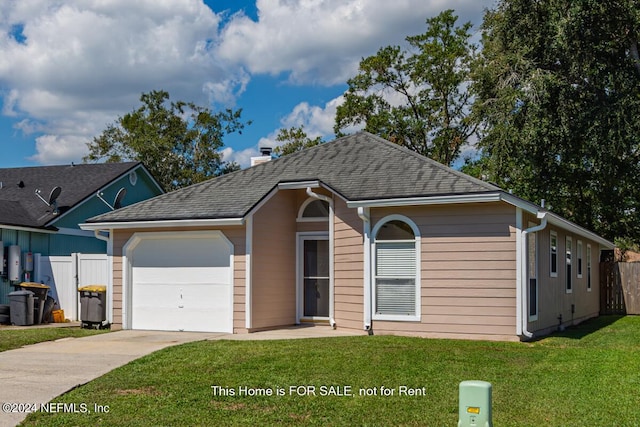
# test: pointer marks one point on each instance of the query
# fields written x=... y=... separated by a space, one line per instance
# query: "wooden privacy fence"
x=620 y=288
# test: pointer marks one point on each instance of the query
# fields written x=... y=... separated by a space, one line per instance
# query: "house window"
x=569 y=271
x=579 y=255
x=396 y=292
x=313 y=210
x=588 y=268
x=532 y=267
x=553 y=250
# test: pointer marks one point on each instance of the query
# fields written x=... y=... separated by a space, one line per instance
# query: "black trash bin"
x=93 y=306
x=40 y=297
x=21 y=312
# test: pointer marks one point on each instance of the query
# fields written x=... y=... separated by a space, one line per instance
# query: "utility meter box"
x=14 y=263
x=474 y=409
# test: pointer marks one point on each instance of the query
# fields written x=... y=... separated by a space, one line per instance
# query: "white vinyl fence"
x=65 y=274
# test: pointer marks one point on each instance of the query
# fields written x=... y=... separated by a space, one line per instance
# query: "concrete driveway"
x=36 y=374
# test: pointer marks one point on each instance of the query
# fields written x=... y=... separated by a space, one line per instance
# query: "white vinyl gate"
x=65 y=274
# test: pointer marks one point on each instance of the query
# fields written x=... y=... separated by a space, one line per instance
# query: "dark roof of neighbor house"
x=20 y=206
x=361 y=166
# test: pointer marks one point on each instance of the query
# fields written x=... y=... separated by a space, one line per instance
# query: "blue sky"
x=69 y=68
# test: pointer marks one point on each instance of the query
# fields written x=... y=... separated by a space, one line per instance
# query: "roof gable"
x=361 y=166
x=20 y=205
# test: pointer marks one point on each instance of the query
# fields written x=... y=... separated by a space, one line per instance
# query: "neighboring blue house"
x=41 y=207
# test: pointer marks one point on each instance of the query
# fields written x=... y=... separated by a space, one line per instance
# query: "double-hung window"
x=553 y=251
x=579 y=256
x=396 y=293
x=569 y=270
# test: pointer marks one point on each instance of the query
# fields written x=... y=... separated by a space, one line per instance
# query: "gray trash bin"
x=21 y=312
x=40 y=297
x=93 y=305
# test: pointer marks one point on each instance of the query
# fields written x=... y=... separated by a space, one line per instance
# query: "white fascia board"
x=486 y=197
x=557 y=220
x=298 y=185
x=576 y=229
x=30 y=229
x=432 y=200
x=75 y=232
x=162 y=224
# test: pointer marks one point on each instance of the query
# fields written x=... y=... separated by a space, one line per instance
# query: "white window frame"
x=588 y=267
x=304 y=205
x=416 y=232
x=568 y=264
x=553 y=252
x=301 y=237
x=579 y=266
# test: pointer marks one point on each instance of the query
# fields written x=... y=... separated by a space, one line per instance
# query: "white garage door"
x=182 y=282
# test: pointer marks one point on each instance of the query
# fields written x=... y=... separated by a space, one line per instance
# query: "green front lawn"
x=16 y=338
x=587 y=376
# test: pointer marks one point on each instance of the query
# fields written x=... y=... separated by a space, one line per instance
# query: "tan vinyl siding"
x=553 y=300
x=236 y=234
x=468 y=271
x=348 y=267
x=273 y=261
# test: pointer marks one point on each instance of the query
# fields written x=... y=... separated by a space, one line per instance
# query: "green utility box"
x=474 y=409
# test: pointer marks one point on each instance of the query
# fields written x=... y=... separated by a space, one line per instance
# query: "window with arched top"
x=313 y=210
x=396 y=290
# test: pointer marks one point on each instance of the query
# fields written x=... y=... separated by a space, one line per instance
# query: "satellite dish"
x=117 y=202
x=55 y=193
x=53 y=197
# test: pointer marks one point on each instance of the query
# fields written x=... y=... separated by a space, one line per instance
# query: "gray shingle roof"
x=19 y=205
x=358 y=167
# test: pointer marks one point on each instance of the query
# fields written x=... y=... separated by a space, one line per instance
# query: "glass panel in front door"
x=316 y=278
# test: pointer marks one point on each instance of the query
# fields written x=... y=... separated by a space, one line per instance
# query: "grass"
x=586 y=376
x=16 y=338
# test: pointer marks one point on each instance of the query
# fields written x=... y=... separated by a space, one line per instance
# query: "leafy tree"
x=179 y=142
x=557 y=87
x=294 y=139
x=416 y=97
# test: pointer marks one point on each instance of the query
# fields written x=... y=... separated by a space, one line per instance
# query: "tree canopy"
x=179 y=142
x=416 y=97
x=294 y=139
x=558 y=95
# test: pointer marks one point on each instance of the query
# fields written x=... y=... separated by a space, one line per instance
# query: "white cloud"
x=70 y=67
x=317 y=121
x=322 y=41
x=242 y=157
x=89 y=60
x=56 y=149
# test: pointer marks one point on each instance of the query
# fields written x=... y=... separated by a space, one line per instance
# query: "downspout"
x=329 y=200
x=521 y=293
x=363 y=213
x=99 y=236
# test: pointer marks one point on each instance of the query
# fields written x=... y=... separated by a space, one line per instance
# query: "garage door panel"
x=190 y=252
x=182 y=283
x=147 y=317
x=182 y=275
x=212 y=296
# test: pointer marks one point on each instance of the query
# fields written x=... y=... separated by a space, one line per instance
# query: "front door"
x=314 y=258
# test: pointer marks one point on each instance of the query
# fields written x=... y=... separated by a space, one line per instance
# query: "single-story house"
x=40 y=209
x=358 y=233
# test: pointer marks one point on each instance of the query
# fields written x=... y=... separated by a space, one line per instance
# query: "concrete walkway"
x=36 y=374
